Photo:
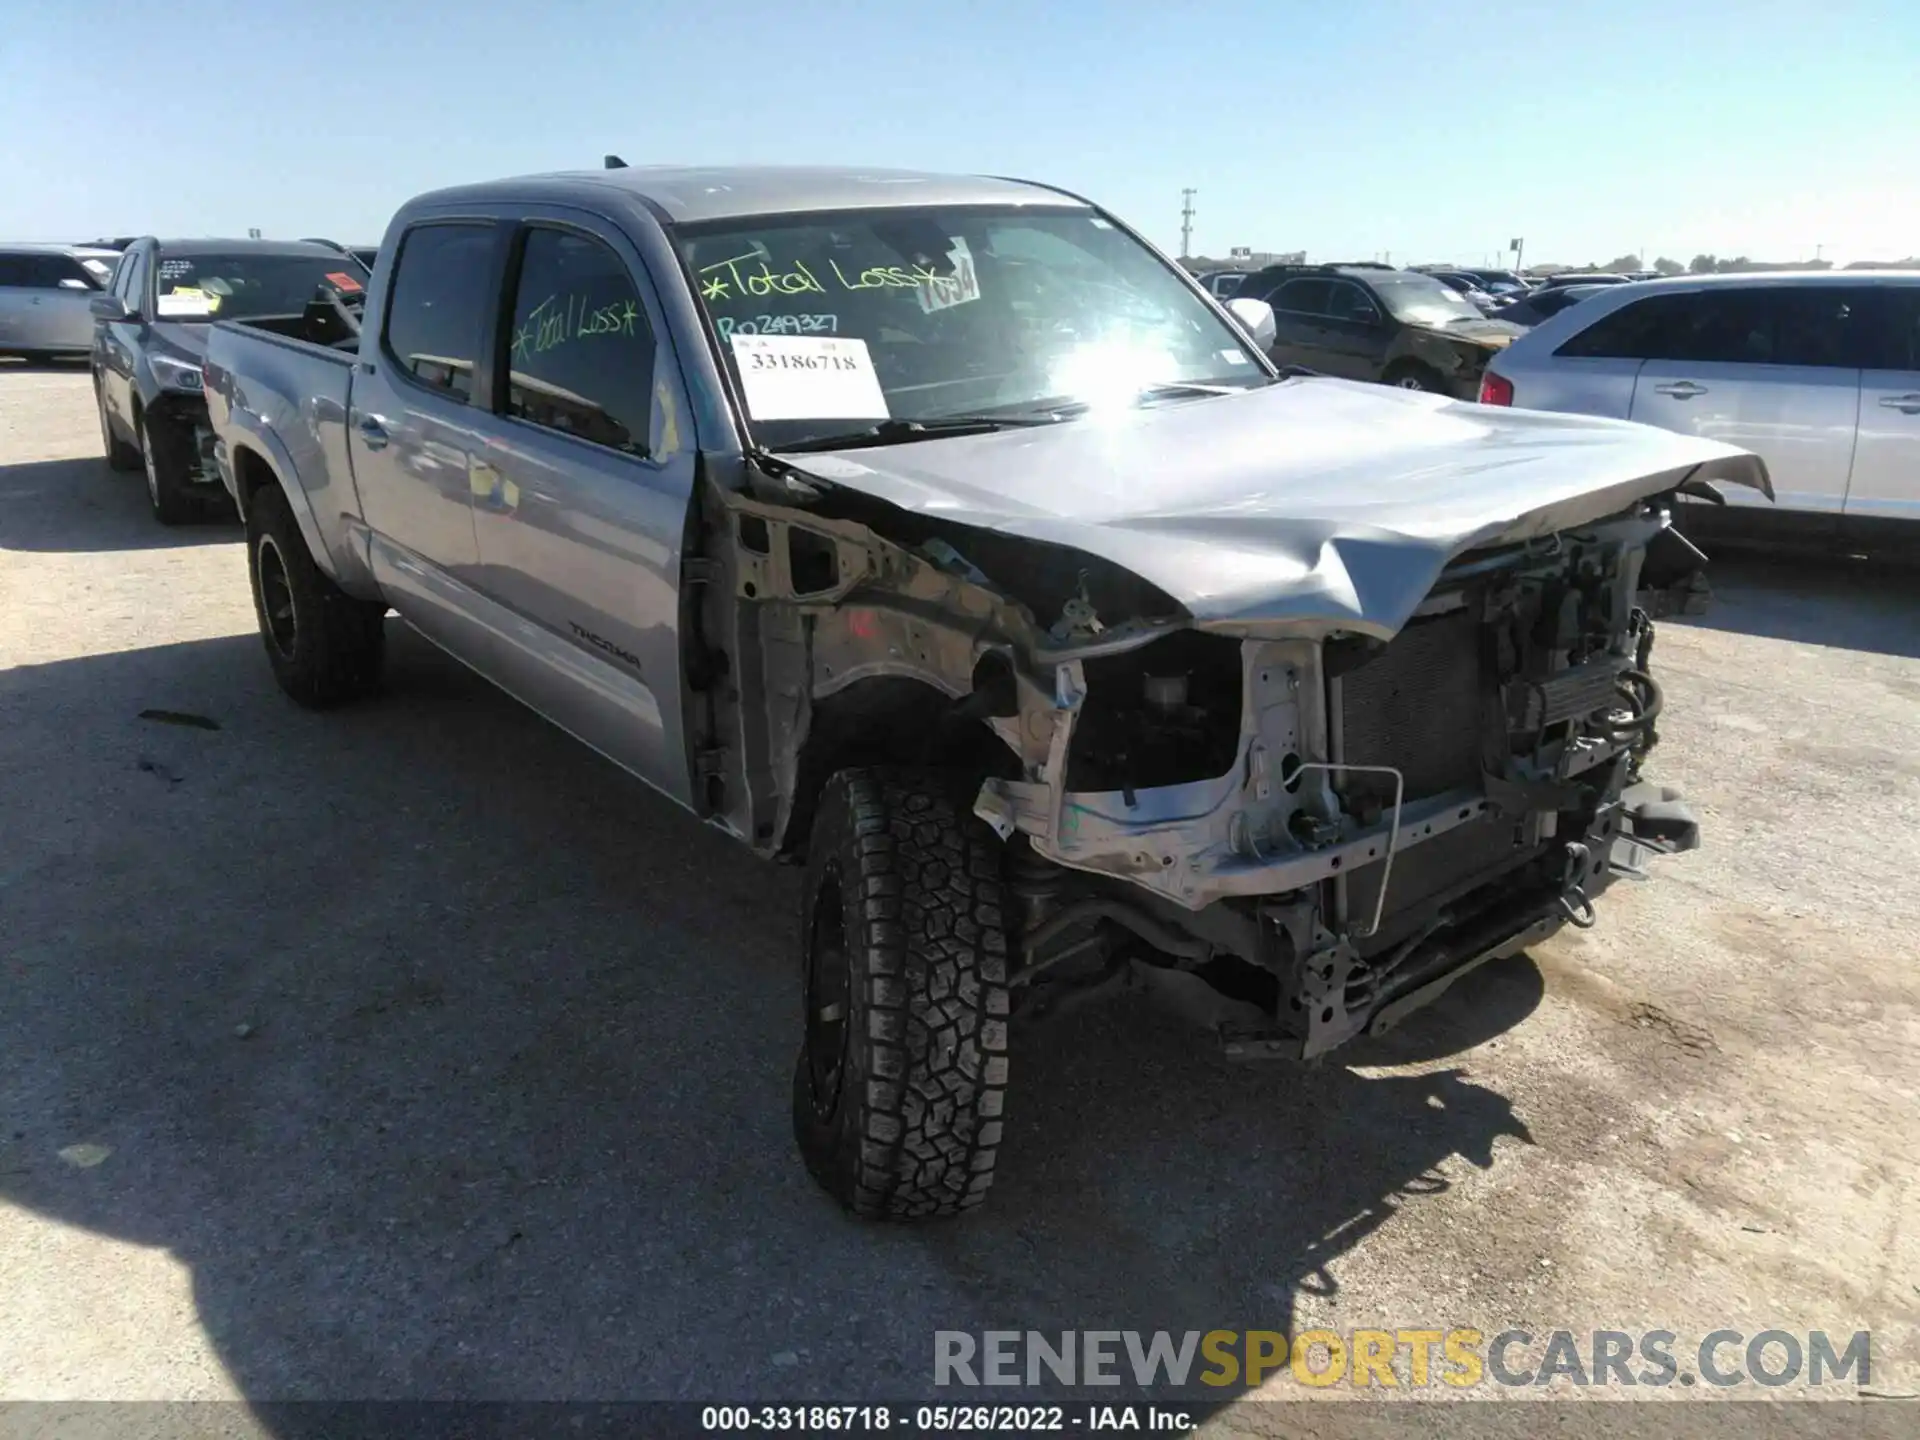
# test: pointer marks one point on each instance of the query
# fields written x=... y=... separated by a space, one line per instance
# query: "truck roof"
x=689 y=193
x=247 y=247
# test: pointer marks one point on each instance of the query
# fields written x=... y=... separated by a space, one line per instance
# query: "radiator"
x=1423 y=706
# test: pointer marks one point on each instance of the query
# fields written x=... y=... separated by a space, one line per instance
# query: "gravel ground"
x=413 y=1051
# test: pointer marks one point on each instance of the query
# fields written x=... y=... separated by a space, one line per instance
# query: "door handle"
x=373 y=432
x=1681 y=389
x=1905 y=404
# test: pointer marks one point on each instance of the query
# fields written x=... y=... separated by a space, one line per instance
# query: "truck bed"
x=277 y=397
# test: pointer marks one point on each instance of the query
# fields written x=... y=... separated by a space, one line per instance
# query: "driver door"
x=580 y=490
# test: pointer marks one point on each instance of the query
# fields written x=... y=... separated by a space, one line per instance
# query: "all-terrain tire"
x=898 y=1108
x=326 y=648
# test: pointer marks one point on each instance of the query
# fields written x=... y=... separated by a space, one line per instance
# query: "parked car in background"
x=1467 y=287
x=1367 y=322
x=1817 y=373
x=1500 y=282
x=1544 y=303
x=100 y=261
x=147 y=335
x=1222 y=284
x=365 y=254
x=939 y=537
x=1576 y=277
x=45 y=295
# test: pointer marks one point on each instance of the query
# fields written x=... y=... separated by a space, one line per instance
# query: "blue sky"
x=1422 y=131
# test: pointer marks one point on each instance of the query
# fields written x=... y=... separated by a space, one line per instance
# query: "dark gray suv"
x=150 y=336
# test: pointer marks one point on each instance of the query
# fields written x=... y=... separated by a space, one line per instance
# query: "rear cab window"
x=437 y=303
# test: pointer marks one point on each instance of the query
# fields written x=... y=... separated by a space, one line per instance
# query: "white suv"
x=1817 y=373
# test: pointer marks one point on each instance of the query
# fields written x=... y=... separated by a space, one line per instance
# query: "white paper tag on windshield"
x=944 y=292
x=185 y=302
x=808 y=377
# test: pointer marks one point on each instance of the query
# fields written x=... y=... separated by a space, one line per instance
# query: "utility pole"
x=1186 y=223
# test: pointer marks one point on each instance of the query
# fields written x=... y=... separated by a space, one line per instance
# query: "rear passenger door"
x=413 y=426
x=1300 y=324
x=581 y=508
x=1772 y=369
x=63 y=300
x=16 y=300
x=1355 y=335
x=1886 y=459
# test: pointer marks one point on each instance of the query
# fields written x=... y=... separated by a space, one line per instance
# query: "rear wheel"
x=165 y=461
x=901 y=1080
x=326 y=648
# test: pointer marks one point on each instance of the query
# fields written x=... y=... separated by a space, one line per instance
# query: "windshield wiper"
x=900 y=432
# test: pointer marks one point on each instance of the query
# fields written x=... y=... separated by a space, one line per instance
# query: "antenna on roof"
x=614 y=162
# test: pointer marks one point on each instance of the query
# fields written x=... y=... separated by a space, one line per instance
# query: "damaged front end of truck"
x=1296 y=765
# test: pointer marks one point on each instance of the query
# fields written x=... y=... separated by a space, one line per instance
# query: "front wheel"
x=165 y=461
x=902 y=1076
x=325 y=647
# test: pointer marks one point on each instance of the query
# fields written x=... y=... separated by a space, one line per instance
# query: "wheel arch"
x=257 y=460
x=899 y=720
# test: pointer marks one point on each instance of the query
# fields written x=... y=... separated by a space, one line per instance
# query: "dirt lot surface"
x=413 y=1051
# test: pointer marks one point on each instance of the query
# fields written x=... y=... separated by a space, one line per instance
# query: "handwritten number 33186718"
x=761 y=360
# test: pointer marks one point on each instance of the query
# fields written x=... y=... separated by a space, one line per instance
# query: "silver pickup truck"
x=940 y=534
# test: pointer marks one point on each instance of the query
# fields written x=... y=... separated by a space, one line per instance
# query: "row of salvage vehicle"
x=941 y=536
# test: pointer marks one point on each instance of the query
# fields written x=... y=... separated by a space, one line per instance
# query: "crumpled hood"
x=1493 y=334
x=1315 y=505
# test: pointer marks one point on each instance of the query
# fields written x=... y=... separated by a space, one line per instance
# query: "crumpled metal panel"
x=1302 y=508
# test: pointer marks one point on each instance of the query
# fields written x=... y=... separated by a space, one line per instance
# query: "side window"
x=15 y=271
x=1892 y=334
x=1302 y=297
x=61 y=272
x=1650 y=329
x=580 y=351
x=1349 y=302
x=437 y=302
x=135 y=266
x=1815 y=325
x=1819 y=325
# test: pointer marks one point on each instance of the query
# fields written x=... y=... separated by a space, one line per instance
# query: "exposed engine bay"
x=1298 y=838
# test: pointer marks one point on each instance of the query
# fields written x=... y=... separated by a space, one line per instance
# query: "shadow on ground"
x=1847 y=604
x=81 y=506
x=454 y=1063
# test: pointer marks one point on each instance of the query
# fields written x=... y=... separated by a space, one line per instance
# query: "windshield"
x=192 y=286
x=1421 y=300
x=833 y=322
